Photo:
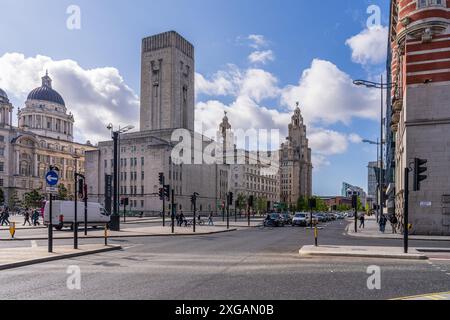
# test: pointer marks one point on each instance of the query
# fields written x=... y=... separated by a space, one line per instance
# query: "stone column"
x=17 y=162
x=36 y=166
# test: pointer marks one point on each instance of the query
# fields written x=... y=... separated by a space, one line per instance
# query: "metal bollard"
x=106 y=234
x=316 y=235
x=12 y=229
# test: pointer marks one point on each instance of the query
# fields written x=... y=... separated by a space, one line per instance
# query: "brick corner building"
x=419 y=110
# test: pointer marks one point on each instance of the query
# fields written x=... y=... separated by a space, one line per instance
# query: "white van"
x=63 y=214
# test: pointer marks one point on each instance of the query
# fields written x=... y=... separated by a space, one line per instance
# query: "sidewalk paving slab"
x=19 y=257
x=371 y=230
x=362 y=252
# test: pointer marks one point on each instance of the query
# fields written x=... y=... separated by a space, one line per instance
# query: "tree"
x=302 y=204
x=241 y=201
x=261 y=204
x=32 y=199
x=63 y=193
x=14 y=201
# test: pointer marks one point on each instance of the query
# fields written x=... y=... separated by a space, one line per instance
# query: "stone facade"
x=44 y=137
x=420 y=100
x=295 y=163
x=167 y=83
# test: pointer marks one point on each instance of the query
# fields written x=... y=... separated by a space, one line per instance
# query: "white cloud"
x=257 y=41
x=355 y=138
x=327 y=96
x=261 y=57
x=220 y=85
x=96 y=97
x=369 y=46
x=327 y=142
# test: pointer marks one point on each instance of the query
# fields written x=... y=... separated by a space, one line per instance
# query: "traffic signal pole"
x=173 y=211
x=85 y=210
x=50 y=225
x=406 y=213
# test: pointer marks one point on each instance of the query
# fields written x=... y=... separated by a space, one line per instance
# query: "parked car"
x=300 y=219
x=274 y=220
x=287 y=218
x=321 y=217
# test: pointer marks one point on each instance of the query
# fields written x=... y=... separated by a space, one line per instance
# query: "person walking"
x=35 y=218
x=393 y=220
x=26 y=216
x=3 y=218
x=210 y=219
x=362 y=220
x=383 y=221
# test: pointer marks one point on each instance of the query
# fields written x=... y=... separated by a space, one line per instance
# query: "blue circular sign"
x=52 y=178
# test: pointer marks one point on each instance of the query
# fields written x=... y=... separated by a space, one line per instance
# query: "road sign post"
x=52 y=179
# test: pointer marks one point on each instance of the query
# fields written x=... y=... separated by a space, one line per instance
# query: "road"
x=258 y=263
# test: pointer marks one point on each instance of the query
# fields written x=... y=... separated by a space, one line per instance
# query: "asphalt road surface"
x=259 y=263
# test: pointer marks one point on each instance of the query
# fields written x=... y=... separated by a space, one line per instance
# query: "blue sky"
x=295 y=32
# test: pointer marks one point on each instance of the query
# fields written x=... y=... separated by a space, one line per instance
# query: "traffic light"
x=313 y=203
x=81 y=187
x=167 y=192
x=161 y=194
x=125 y=201
x=355 y=202
x=251 y=200
x=419 y=168
x=161 y=179
x=230 y=198
x=194 y=198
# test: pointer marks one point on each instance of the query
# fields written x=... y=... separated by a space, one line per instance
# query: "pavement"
x=428 y=297
x=137 y=231
x=18 y=257
x=364 y=252
x=371 y=230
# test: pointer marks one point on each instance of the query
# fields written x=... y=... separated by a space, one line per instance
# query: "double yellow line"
x=432 y=296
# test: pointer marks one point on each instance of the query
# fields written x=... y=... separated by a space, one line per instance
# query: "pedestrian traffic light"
x=419 y=168
x=194 y=198
x=161 y=179
x=167 y=192
x=161 y=194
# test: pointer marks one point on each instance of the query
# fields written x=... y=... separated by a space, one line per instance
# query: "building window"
x=430 y=3
x=1 y=183
x=2 y=166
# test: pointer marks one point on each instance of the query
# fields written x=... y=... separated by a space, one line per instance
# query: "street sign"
x=426 y=204
x=52 y=178
x=51 y=189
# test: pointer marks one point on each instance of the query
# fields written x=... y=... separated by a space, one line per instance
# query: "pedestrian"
x=177 y=217
x=362 y=221
x=393 y=220
x=2 y=218
x=383 y=221
x=26 y=216
x=182 y=219
x=35 y=218
x=210 y=219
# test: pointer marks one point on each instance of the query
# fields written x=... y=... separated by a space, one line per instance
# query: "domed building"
x=43 y=137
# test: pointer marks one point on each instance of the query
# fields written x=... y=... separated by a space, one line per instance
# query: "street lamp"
x=115 y=218
x=382 y=86
x=377 y=143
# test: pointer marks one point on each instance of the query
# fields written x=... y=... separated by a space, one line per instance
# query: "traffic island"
x=11 y=258
x=361 y=252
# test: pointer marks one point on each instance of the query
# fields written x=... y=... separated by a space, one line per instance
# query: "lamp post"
x=380 y=175
x=115 y=217
x=382 y=86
